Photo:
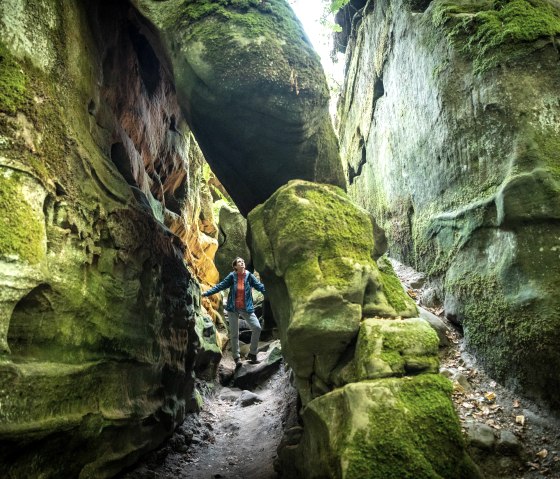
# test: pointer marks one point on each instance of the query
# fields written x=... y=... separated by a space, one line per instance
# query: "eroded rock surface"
x=314 y=248
x=101 y=204
x=449 y=136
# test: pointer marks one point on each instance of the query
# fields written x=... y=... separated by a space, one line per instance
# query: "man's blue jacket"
x=230 y=281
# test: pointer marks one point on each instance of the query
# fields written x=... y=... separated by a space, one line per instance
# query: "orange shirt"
x=240 y=292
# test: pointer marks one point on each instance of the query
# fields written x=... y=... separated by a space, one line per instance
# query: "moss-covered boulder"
x=382 y=429
x=313 y=248
x=100 y=200
x=388 y=348
x=253 y=91
x=463 y=174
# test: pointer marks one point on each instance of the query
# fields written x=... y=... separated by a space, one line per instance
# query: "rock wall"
x=231 y=239
x=101 y=198
x=365 y=368
x=449 y=128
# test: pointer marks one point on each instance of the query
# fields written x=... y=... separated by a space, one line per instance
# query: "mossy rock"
x=209 y=352
x=13 y=83
x=505 y=287
x=253 y=90
x=314 y=248
x=493 y=33
x=97 y=306
x=386 y=429
x=22 y=224
x=391 y=347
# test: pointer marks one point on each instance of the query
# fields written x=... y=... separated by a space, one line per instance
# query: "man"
x=240 y=305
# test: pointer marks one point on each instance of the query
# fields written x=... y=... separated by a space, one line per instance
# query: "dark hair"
x=234 y=262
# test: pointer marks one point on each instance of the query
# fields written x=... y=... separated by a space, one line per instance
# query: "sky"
x=309 y=13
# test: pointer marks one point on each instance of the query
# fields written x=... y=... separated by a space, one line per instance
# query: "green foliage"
x=336 y=5
x=492 y=33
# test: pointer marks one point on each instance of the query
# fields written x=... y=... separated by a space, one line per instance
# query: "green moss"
x=21 y=232
x=320 y=236
x=547 y=150
x=248 y=33
x=412 y=433
x=395 y=348
x=510 y=321
x=13 y=83
x=486 y=312
x=497 y=32
x=392 y=287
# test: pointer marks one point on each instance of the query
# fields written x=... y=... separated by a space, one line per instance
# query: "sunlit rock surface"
x=100 y=193
x=450 y=138
x=253 y=91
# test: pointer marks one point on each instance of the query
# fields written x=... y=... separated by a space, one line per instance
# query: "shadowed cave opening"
x=33 y=323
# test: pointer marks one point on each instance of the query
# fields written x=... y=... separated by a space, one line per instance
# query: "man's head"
x=238 y=264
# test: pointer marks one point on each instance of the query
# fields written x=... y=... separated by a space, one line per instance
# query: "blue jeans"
x=252 y=321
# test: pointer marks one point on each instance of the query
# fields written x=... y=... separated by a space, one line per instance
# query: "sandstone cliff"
x=449 y=127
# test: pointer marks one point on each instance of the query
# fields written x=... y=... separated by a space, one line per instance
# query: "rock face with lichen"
x=253 y=90
x=450 y=137
x=232 y=238
x=367 y=377
x=100 y=191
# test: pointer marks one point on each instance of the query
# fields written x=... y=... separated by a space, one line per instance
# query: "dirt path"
x=227 y=439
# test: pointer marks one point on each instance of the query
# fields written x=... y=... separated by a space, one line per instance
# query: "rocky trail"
x=238 y=430
x=234 y=437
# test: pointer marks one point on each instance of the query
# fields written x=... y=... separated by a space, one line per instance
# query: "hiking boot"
x=253 y=358
x=237 y=363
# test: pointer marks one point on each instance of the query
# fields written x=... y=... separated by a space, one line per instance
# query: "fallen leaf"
x=516 y=403
x=533 y=465
x=490 y=396
x=542 y=453
x=467 y=405
x=520 y=420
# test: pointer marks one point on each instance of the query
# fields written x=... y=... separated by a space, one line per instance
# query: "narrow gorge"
x=146 y=143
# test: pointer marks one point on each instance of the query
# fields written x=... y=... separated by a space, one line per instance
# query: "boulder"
x=253 y=91
x=314 y=249
x=387 y=428
x=249 y=376
x=388 y=348
x=437 y=324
